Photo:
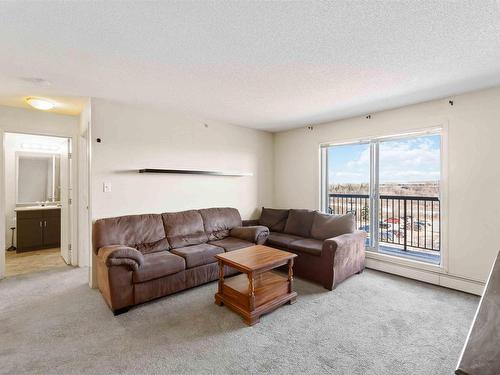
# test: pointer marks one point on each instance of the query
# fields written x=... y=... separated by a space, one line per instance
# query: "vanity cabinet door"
x=38 y=229
x=52 y=228
x=29 y=231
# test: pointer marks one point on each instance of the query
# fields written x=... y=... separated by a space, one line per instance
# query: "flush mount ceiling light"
x=39 y=103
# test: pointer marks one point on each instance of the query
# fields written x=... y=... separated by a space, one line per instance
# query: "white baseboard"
x=436 y=278
x=469 y=286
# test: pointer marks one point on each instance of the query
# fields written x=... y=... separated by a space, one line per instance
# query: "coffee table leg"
x=218 y=300
x=251 y=319
x=290 y=280
x=251 y=291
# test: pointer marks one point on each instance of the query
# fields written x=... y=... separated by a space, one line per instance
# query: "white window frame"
x=374 y=141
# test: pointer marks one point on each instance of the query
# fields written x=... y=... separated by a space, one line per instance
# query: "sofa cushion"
x=307 y=245
x=184 y=228
x=327 y=226
x=274 y=219
x=142 y=232
x=299 y=222
x=281 y=239
x=219 y=221
x=159 y=264
x=231 y=243
x=198 y=255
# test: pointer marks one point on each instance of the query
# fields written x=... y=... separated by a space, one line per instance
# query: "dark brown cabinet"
x=38 y=229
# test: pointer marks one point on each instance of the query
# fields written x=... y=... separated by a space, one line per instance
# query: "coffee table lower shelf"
x=270 y=291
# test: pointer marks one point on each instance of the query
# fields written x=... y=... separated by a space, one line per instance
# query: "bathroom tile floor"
x=32 y=261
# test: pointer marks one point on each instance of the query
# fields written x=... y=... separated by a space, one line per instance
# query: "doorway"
x=38 y=199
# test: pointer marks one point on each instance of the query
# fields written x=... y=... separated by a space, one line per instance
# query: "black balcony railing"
x=408 y=222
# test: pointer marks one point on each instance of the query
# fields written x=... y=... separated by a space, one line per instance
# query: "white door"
x=66 y=202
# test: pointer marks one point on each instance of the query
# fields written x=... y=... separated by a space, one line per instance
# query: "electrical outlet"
x=106 y=187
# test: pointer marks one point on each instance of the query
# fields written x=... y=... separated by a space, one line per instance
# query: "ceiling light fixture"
x=39 y=103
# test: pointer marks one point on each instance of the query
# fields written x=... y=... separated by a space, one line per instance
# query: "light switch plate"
x=106 y=187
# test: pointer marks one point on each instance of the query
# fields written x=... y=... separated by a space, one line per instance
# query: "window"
x=392 y=186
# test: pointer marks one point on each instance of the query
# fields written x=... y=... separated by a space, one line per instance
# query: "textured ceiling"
x=267 y=65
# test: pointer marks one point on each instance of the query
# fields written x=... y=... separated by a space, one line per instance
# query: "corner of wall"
x=274 y=197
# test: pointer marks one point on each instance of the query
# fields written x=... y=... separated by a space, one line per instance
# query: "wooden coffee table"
x=258 y=290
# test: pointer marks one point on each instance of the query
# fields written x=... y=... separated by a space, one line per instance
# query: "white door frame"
x=73 y=235
x=90 y=255
x=83 y=199
x=2 y=205
x=84 y=207
x=66 y=197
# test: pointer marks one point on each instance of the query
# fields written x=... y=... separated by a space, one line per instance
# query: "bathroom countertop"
x=34 y=208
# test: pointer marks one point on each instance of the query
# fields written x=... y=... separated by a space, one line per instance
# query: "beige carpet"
x=374 y=323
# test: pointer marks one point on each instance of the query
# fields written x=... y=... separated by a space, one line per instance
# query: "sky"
x=414 y=159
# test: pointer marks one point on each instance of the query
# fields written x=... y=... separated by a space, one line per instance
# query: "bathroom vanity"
x=37 y=213
x=38 y=227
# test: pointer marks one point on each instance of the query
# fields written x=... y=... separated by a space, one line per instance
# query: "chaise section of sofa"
x=143 y=257
x=329 y=248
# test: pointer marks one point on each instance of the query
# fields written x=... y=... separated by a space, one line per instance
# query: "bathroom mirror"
x=37 y=177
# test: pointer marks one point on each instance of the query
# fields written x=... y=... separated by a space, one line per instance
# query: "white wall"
x=135 y=138
x=32 y=122
x=474 y=176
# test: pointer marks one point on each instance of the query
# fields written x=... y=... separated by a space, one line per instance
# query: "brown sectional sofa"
x=328 y=246
x=143 y=257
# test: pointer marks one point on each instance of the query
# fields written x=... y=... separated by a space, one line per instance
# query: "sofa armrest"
x=257 y=234
x=347 y=255
x=121 y=255
x=250 y=223
x=345 y=241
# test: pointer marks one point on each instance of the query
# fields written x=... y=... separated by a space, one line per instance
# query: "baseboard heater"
x=191 y=171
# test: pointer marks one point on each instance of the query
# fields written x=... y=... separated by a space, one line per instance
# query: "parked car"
x=387 y=235
x=392 y=220
x=366 y=228
x=383 y=225
x=418 y=225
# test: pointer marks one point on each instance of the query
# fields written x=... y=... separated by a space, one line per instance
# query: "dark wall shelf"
x=189 y=171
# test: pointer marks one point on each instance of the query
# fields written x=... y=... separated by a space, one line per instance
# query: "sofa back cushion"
x=142 y=232
x=299 y=222
x=184 y=228
x=328 y=226
x=274 y=219
x=219 y=221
